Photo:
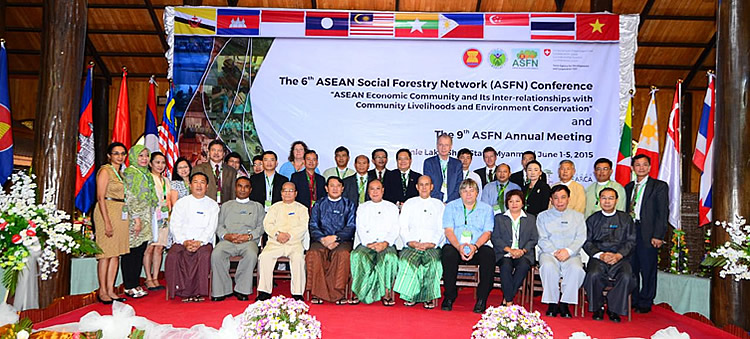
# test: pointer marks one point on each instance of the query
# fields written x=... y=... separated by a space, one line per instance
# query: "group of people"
x=380 y=231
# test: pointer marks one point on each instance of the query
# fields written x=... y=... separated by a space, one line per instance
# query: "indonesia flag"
x=281 y=23
x=671 y=164
x=150 y=133
x=703 y=157
x=648 y=143
x=85 y=180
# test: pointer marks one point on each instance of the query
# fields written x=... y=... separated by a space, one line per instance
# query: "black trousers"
x=485 y=258
x=512 y=273
x=644 y=263
x=600 y=275
x=131 y=264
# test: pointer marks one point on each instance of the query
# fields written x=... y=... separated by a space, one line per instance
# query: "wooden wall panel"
x=667 y=55
x=666 y=31
x=23 y=92
x=126 y=43
x=628 y=6
x=577 y=6
x=29 y=63
x=119 y=19
x=23 y=16
x=687 y=8
x=660 y=78
x=380 y=5
x=23 y=40
x=437 y=6
x=137 y=65
x=518 y=6
x=276 y=3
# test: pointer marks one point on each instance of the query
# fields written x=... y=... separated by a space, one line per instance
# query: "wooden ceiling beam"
x=89 y=31
x=98 y=60
x=560 y=4
x=91 y=53
x=130 y=75
x=671 y=44
x=157 y=24
x=701 y=59
x=600 y=6
x=680 y=17
x=479 y=6
x=99 y=5
x=644 y=13
x=665 y=67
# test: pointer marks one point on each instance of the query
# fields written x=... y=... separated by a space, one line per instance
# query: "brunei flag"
x=194 y=21
x=622 y=172
x=417 y=25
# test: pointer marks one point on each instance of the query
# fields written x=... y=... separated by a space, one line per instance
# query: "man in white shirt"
x=340 y=170
x=422 y=233
x=192 y=225
x=374 y=261
x=464 y=155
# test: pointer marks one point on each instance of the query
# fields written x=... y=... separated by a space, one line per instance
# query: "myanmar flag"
x=416 y=25
x=622 y=173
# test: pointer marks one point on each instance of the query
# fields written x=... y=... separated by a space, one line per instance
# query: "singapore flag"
x=507 y=26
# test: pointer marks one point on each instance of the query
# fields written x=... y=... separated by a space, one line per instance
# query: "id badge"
x=496 y=207
x=124 y=215
x=465 y=237
x=268 y=203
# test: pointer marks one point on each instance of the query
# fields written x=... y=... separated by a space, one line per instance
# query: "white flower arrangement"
x=278 y=317
x=734 y=255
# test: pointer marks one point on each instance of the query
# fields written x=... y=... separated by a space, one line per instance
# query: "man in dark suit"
x=220 y=175
x=379 y=159
x=519 y=178
x=267 y=184
x=648 y=205
x=311 y=186
x=444 y=170
x=356 y=187
x=401 y=183
x=487 y=173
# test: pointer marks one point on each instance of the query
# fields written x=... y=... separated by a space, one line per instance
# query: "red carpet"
x=377 y=321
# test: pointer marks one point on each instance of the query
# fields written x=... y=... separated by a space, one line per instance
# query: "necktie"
x=380 y=175
x=489 y=175
x=403 y=182
x=217 y=175
x=361 y=189
x=634 y=201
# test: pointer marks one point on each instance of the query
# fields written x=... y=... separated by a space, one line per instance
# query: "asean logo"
x=472 y=58
x=498 y=58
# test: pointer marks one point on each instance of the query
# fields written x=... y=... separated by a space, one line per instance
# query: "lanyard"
x=444 y=169
x=526 y=197
x=313 y=187
x=187 y=186
x=269 y=188
x=338 y=174
x=516 y=226
x=500 y=194
x=597 y=190
x=163 y=187
x=638 y=193
x=466 y=215
x=362 y=185
x=117 y=174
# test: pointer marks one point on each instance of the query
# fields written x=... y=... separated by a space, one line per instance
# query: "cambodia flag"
x=150 y=133
x=6 y=124
x=327 y=24
x=85 y=180
x=237 y=21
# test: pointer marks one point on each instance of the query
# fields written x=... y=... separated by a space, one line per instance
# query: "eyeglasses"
x=288 y=191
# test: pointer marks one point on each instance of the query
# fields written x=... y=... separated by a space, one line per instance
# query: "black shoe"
x=120 y=299
x=296 y=297
x=263 y=296
x=613 y=316
x=552 y=311
x=218 y=298
x=447 y=305
x=240 y=296
x=598 y=315
x=564 y=310
x=480 y=306
x=105 y=302
x=642 y=309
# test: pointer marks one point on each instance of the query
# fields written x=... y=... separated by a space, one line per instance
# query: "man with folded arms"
x=286 y=225
x=193 y=225
x=240 y=227
x=374 y=259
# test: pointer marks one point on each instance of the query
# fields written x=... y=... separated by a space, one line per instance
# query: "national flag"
x=150 y=133
x=327 y=23
x=623 y=170
x=6 y=124
x=506 y=26
x=237 y=22
x=121 y=127
x=671 y=165
x=416 y=25
x=371 y=24
x=168 y=134
x=648 y=143
x=598 y=27
x=703 y=157
x=85 y=195
x=553 y=26
x=280 y=23
x=461 y=26
x=194 y=21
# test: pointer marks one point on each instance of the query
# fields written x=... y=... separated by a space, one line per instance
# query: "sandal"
x=387 y=302
x=354 y=301
x=188 y=299
x=429 y=304
x=409 y=303
x=198 y=298
x=342 y=302
x=316 y=301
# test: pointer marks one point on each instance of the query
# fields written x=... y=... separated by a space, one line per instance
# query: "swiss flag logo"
x=547 y=52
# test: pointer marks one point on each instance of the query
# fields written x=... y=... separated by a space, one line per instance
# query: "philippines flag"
x=327 y=24
x=235 y=22
x=648 y=143
x=85 y=180
x=671 y=164
x=553 y=26
x=703 y=157
x=168 y=134
x=150 y=133
x=461 y=26
x=504 y=26
x=280 y=23
x=6 y=124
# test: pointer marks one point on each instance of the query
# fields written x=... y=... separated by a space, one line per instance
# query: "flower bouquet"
x=734 y=255
x=278 y=317
x=511 y=322
x=26 y=227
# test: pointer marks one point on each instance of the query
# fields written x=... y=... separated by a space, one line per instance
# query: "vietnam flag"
x=121 y=128
x=416 y=25
x=600 y=27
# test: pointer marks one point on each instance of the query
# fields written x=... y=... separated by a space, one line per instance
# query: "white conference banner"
x=560 y=100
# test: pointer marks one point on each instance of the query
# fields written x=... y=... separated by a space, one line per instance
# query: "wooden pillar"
x=731 y=189
x=101 y=120
x=686 y=143
x=601 y=6
x=56 y=123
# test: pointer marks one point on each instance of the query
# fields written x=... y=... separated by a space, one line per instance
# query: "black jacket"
x=654 y=208
x=351 y=188
x=393 y=189
x=518 y=178
x=258 y=181
x=299 y=179
x=502 y=236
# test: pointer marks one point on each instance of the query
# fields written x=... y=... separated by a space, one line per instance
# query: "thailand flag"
x=150 y=133
x=6 y=131
x=703 y=157
x=553 y=26
x=85 y=178
x=238 y=22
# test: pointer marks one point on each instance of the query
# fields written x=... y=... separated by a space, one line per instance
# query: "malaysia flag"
x=553 y=26
x=461 y=26
x=237 y=21
x=372 y=24
x=327 y=24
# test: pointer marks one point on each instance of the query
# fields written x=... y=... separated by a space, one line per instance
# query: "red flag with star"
x=598 y=27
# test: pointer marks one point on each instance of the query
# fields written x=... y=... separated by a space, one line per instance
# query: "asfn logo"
x=527 y=58
x=472 y=58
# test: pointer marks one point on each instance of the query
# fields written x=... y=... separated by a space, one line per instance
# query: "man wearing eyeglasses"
x=602 y=171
